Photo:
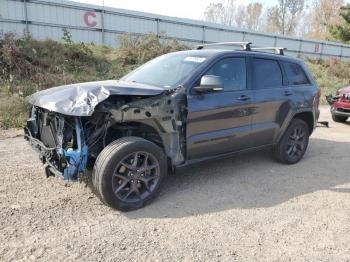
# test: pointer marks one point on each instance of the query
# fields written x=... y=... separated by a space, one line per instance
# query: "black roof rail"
x=278 y=50
x=244 y=45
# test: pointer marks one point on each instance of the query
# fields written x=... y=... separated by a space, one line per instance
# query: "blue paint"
x=76 y=159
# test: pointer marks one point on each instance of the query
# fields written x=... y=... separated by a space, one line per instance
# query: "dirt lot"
x=245 y=208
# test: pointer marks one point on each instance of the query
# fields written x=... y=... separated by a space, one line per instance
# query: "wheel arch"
x=308 y=118
x=305 y=115
x=143 y=129
x=151 y=130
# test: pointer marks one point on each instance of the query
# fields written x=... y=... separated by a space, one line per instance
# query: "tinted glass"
x=295 y=74
x=166 y=71
x=267 y=73
x=232 y=72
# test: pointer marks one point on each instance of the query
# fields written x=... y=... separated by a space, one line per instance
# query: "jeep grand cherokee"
x=178 y=109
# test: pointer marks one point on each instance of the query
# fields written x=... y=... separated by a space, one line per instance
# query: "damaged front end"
x=332 y=99
x=340 y=104
x=60 y=142
x=69 y=143
x=342 y=96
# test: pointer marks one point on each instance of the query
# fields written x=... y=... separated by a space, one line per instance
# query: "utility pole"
x=283 y=16
x=103 y=22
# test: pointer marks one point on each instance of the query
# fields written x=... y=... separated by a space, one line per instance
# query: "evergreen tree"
x=342 y=32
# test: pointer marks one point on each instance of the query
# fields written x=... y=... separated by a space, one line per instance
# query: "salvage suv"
x=178 y=109
x=340 y=105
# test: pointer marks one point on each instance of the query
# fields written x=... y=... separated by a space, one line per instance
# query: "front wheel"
x=129 y=173
x=293 y=144
x=339 y=119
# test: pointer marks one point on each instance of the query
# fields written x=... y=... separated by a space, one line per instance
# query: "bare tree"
x=253 y=14
x=283 y=18
x=222 y=13
x=240 y=16
x=213 y=13
x=322 y=15
x=273 y=23
x=228 y=12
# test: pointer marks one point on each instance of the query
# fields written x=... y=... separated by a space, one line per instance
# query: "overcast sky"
x=193 y=9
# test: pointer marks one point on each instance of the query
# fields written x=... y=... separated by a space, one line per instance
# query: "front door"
x=220 y=122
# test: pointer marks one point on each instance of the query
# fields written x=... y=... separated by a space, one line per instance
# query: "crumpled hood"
x=81 y=99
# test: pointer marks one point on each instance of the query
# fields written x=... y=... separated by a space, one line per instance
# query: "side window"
x=295 y=74
x=267 y=73
x=232 y=72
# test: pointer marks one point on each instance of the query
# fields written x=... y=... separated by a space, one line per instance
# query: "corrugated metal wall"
x=89 y=23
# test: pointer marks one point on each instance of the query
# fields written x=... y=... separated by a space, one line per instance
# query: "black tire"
x=339 y=119
x=126 y=184
x=291 y=148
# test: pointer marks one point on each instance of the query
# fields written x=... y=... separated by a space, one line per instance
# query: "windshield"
x=165 y=71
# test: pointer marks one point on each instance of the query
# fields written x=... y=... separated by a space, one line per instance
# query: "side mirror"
x=209 y=83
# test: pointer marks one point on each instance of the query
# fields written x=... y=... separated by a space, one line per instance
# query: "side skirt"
x=222 y=156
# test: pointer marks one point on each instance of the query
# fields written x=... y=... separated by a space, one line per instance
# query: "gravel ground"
x=246 y=208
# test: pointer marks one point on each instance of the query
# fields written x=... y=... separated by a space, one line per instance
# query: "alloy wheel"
x=296 y=142
x=136 y=176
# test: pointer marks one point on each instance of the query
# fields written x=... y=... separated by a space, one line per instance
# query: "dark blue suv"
x=178 y=109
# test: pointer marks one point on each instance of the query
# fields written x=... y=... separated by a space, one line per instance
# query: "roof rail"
x=278 y=50
x=244 y=45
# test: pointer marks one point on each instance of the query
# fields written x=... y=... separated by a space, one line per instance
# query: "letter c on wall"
x=90 y=22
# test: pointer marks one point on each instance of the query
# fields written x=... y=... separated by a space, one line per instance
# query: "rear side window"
x=267 y=73
x=232 y=72
x=295 y=74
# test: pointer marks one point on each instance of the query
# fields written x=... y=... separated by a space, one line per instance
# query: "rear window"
x=295 y=74
x=267 y=73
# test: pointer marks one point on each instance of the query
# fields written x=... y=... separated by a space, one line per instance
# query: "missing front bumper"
x=67 y=163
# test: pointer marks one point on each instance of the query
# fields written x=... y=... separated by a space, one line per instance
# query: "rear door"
x=299 y=83
x=272 y=100
x=220 y=122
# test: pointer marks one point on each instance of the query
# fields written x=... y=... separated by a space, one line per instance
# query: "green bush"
x=29 y=65
x=13 y=111
x=330 y=75
x=137 y=50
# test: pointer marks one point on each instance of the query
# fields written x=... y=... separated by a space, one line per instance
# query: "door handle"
x=288 y=93
x=243 y=98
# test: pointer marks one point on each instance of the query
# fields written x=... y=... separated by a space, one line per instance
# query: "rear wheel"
x=339 y=119
x=129 y=173
x=293 y=144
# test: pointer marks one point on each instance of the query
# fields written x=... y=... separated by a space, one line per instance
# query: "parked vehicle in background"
x=340 y=104
x=178 y=109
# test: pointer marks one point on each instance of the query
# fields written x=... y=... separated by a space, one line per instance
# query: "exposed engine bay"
x=69 y=144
